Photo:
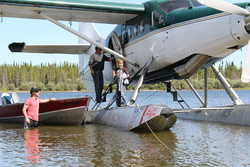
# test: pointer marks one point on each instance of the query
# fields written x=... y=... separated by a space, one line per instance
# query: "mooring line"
x=157 y=138
x=151 y=130
x=165 y=145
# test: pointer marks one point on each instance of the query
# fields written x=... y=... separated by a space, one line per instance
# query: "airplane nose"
x=247 y=20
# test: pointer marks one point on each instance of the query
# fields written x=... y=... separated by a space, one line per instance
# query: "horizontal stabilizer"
x=52 y=49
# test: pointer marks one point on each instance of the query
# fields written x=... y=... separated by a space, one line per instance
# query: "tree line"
x=228 y=69
x=65 y=77
x=48 y=77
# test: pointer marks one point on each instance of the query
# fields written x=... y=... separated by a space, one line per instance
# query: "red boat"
x=59 y=112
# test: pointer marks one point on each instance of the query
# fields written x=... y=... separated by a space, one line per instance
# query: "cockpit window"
x=196 y=3
x=174 y=4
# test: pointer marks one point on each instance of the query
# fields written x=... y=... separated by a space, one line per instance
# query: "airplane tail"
x=89 y=30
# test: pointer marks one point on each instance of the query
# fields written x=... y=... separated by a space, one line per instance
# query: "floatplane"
x=159 y=40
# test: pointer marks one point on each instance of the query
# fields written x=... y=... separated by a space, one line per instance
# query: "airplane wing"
x=56 y=49
x=99 y=11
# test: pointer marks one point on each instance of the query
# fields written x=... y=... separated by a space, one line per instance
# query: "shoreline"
x=85 y=91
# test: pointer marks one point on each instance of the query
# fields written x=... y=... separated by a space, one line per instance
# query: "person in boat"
x=122 y=81
x=31 y=108
x=96 y=65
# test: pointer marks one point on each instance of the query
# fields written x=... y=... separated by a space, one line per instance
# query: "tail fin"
x=90 y=30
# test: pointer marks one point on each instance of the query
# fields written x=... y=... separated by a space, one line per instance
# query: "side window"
x=141 y=27
x=129 y=32
x=157 y=18
x=134 y=27
x=124 y=34
x=132 y=32
x=135 y=30
x=171 y=5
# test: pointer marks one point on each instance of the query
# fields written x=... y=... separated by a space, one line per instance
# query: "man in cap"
x=96 y=65
x=31 y=108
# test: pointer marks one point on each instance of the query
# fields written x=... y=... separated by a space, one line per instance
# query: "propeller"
x=233 y=9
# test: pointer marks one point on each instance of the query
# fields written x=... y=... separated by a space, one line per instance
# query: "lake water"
x=187 y=144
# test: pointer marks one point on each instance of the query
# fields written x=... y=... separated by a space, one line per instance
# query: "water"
x=187 y=144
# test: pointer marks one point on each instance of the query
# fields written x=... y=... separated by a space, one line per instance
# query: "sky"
x=43 y=32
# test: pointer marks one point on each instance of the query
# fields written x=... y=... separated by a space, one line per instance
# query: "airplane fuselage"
x=181 y=38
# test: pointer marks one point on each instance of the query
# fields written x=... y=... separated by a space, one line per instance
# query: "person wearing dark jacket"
x=96 y=65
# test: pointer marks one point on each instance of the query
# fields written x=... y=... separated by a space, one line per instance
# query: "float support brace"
x=231 y=93
x=136 y=92
x=195 y=91
x=205 y=88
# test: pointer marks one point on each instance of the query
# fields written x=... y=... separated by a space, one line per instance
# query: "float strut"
x=138 y=86
x=231 y=93
x=195 y=91
x=205 y=88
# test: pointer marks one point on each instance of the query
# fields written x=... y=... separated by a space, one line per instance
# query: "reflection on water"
x=118 y=148
x=31 y=142
x=188 y=144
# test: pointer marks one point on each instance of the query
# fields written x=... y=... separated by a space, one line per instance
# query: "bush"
x=50 y=86
x=198 y=84
x=238 y=84
x=28 y=85
x=60 y=87
x=11 y=87
x=79 y=85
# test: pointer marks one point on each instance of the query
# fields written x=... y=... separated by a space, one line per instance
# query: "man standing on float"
x=96 y=65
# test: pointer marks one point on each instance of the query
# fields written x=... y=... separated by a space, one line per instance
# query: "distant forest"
x=49 y=77
x=65 y=77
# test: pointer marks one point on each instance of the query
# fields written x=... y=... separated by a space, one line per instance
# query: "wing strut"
x=140 y=82
x=82 y=36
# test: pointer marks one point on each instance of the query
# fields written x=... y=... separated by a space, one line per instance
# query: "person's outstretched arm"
x=47 y=100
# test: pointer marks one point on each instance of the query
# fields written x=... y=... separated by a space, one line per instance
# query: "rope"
x=165 y=145
x=154 y=134
x=157 y=138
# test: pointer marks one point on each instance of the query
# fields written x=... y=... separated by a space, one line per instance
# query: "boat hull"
x=58 y=112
